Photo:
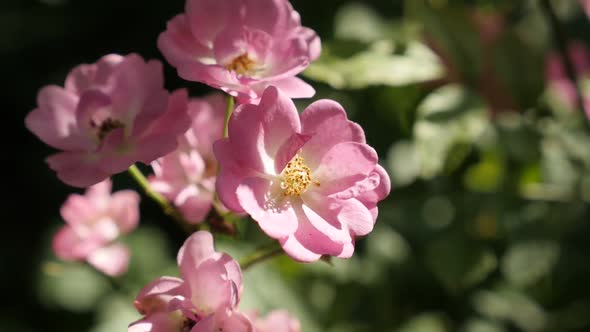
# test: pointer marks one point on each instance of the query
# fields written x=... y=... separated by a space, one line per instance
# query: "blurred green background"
x=488 y=224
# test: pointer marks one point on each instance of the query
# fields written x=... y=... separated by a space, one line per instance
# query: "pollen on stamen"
x=242 y=64
x=296 y=177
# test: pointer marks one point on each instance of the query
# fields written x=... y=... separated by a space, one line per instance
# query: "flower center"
x=296 y=177
x=104 y=128
x=187 y=325
x=242 y=64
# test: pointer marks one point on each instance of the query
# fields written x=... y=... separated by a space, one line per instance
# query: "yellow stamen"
x=296 y=177
x=242 y=64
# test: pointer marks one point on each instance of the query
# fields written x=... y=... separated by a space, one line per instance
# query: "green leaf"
x=453 y=33
x=368 y=25
x=71 y=286
x=115 y=314
x=526 y=262
x=481 y=325
x=376 y=66
x=447 y=118
x=427 y=322
x=404 y=163
x=511 y=306
x=459 y=263
x=485 y=176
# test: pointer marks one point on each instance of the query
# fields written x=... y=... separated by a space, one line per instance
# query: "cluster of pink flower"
x=309 y=180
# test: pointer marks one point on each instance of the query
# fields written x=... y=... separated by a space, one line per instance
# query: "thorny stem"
x=158 y=198
x=260 y=255
x=560 y=40
x=228 y=111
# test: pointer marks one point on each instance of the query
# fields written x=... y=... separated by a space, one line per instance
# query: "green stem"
x=158 y=198
x=260 y=255
x=228 y=111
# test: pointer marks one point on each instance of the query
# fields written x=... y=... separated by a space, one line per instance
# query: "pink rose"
x=241 y=46
x=94 y=222
x=276 y=321
x=309 y=181
x=186 y=176
x=204 y=299
x=108 y=116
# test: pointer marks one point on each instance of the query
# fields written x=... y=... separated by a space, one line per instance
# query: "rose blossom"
x=309 y=180
x=186 y=177
x=202 y=300
x=108 y=116
x=276 y=321
x=241 y=46
x=94 y=222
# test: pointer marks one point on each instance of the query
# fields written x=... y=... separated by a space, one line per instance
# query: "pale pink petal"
x=298 y=251
x=88 y=76
x=76 y=243
x=65 y=242
x=124 y=209
x=178 y=45
x=356 y=217
x=54 y=122
x=155 y=107
x=288 y=150
x=278 y=321
x=100 y=193
x=323 y=214
x=112 y=260
x=236 y=322
x=209 y=287
x=224 y=321
x=308 y=244
x=347 y=250
x=153 y=147
x=135 y=81
x=370 y=198
x=280 y=119
x=78 y=209
x=196 y=249
x=271 y=210
x=93 y=108
x=230 y=175
x=157 y=295
x=368 y=184
x=314 y=42
x=234 y=273
x=159 y=322
x=175 y=121
x=196 y=209
x=294 y=87
x=271 y=16
x=231 y=43
x=326 y=122
x=105 y=229
x=208 y=17
x=216 y=76
x=343 y=166
x=77 y=169
x=246 y=135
